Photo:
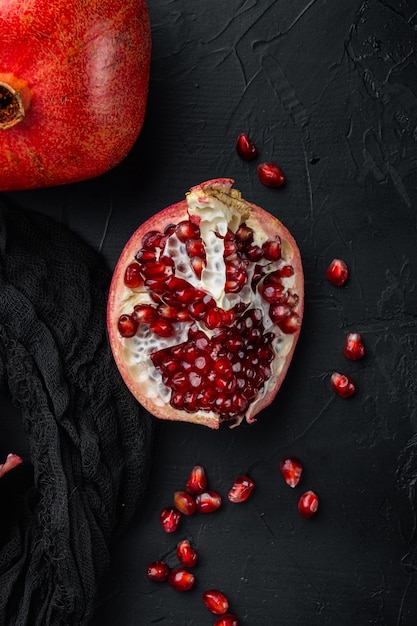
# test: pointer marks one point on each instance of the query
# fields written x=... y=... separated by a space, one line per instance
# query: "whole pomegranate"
x=205 y=308
x=73 y=88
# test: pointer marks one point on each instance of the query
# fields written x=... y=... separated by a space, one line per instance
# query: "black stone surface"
x=328 y=89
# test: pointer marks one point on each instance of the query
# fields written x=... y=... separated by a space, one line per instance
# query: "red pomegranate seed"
x=337 y=272
x=187 y=230
x=198 y=265
x=133 y=277
x=215 y=601
x=162 y=327
x=152 y=239
x=144 y=313
x=197 y=480
x=241 y=489
x=208 y=501
x=228 y=619
x=213 y=318
x=354 y=348
x=272 y=250
x=186 y=554
x=308 y=504
x=291 y=469
x=342 y=384
x=158 y=571
x=180 y=579
x=195 y=247
x=270 y=174
x=290 y=324
x=12 y=461
x=184 y=502
x=127 y=325
x=245 y=147
x=169 y=518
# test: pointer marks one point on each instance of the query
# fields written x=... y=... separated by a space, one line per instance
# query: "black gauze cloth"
x=89 y=439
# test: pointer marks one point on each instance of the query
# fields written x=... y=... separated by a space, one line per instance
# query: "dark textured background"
x=328 y=88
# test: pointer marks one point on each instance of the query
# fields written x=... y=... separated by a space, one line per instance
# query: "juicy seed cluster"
x=224 y=354
x=224 y=373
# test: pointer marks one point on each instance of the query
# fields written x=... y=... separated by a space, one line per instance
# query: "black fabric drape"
x=89 y=440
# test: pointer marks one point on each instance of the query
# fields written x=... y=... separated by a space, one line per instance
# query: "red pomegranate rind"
x=259 y=249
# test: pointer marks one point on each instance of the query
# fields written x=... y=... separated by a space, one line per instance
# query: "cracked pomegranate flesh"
x=205 y=308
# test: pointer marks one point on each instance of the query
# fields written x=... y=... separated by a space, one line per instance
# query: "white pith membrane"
x=214 y=217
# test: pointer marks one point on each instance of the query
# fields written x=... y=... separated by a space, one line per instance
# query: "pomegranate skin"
x=80 y=71
x=175 y=214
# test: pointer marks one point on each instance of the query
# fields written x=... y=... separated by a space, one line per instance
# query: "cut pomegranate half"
x=204 y=329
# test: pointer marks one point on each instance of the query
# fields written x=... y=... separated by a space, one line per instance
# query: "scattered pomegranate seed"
x=170 y=518
x=158 y=571
x=215 y=601
x=184 y=502
x=342 y=384
x=354 y=348
x=186 y=554
x=308 y=504
x=241 y=489
x=12 y=461
x=197 y=480
x=337 y=272
x=180 y=579
x=291 y=469
x=228 y=619
x=208 y=501
x=245 y=147
x=270 y=174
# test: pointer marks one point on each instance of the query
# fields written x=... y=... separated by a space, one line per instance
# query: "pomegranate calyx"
x=12 y=108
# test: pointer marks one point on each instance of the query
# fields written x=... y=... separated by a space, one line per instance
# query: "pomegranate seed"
x=195 y=247
x=254 y=253
x=342 y=384
x=228 y=619
x=187 y=230
x=277 y=312
x=144 y=256
x=213 y=318
x=170 y=518
x=291 y=469
x=208 y=501
x=12 y=461
x=270 y=174
x=162 y=327
x=273 y=293
x=244 y=235
x=144 y=313
x=337 y=272
x=197 y=480
x=215 y=601
x=290 y=324
x=155 y=269
x=133 y=277
x=308 y=504
x=245 y=147
x=127 y=326
x=151 y=239
x=184 y=502
x=180 y=579
x=241 y=489
x=272 y=250
x=186 y=554
x=158 y=571
x=354 y=348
